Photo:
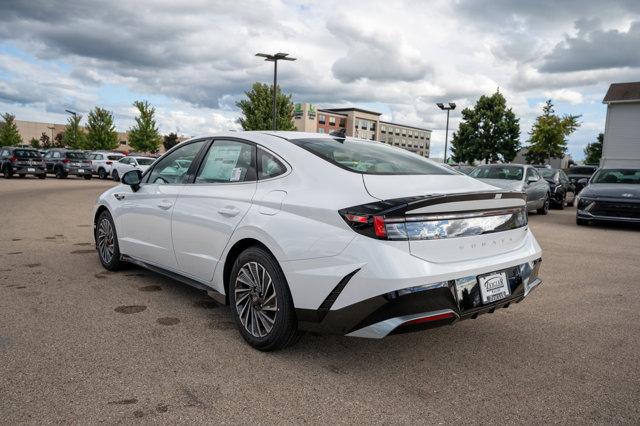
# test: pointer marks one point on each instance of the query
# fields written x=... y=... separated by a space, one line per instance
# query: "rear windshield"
x=77 y=155
x=372 y=158
x=145 y=161
x=580 y=170
x=27 y=153
x=498 y=172
x=546 y=173
x=624 y=176
x=114 y=157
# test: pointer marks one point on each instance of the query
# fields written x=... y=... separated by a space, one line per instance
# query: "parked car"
x=301 y=231
x=612 y=195
x=563 y=192
x=129 y=163
x=64 y=162
x=463 y=168
x=102 y=162
x=21 y=162
x=516 y=177
x=579 y=175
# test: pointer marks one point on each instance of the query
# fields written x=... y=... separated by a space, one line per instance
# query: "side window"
x=269 y=166
x=228 y=161
x=173 y=167
x=125 y=160
x=56 y=154
x=530 y=174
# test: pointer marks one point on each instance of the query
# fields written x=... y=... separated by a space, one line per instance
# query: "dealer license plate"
x=493 y=287
x=31 y=170
x=80 y=170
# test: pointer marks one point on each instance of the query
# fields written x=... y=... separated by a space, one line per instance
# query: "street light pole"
x=447 y=108
x=275 y=58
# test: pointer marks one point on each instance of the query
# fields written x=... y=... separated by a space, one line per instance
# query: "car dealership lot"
x=79 y=344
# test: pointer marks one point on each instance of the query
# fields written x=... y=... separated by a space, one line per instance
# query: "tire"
x=281 y=316
x=22 y=175
x=109 y=251
x=102 y=174
x=581 y=222
x=87 y=177
x=8 y=174
x=42 y=176
x=115 y=176
x=60 y=174
x=545 y=207
x=563 y=203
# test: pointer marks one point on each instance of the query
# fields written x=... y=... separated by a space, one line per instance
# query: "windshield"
x=624 y=176
x=77 y=155
x=498 y=172
x=145 y=161
x=546 y=173
x=370 y=157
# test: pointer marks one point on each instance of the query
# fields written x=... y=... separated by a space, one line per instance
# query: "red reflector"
x=378 y=226
x=356 y=218
x=436 y=317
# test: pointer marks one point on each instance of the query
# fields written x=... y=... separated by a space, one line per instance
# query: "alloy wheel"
x=106 y=240
x=255 y=297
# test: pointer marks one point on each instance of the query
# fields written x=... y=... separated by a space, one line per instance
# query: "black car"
x=63 y=162
x=563 y=191
x=612 y=195
x=579 y=175
x=21 y=162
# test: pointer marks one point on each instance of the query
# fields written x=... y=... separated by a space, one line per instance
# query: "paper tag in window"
x=235 y=174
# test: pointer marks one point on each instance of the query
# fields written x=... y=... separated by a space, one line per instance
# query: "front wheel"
x=107 y=242
x=545 y=207
x=260 y=301
x=102 y=174
x=8 y=173
x=115 y=176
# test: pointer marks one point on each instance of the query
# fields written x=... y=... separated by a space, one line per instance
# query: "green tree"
x=45 y=141
x=258 y=109
x=144 y=136
x=101 y=130
x=489 y=131
x=74 y=134
x=170 y=140
x=9 y=134
x=35 y=143
x=593 y=151
x=548 y=136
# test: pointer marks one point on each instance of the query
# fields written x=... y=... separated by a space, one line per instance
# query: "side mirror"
x=532 y=179
x=133 y=179
x=583 y=181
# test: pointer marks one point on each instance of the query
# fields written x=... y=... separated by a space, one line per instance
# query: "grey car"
x=612 y=195
x=517 y=177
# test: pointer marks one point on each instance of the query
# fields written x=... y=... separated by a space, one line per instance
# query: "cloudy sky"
x=193 y=60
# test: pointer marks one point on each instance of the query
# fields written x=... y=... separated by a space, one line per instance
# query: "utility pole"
x=275 y=58
x=446 y=135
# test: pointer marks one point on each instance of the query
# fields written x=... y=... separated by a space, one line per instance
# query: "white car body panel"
x=295 y=216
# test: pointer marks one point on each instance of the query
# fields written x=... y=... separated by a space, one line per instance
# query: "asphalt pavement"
x=82 y=345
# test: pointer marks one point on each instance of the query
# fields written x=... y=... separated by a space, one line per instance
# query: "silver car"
x=517 y=177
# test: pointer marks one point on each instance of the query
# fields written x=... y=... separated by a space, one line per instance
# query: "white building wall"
x=622 y=135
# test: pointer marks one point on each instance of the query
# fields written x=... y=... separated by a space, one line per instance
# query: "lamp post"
x=447 y=108
x=275 y=58
x=71 y=112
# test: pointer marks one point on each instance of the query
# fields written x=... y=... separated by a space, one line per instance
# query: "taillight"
x=370 y=225
x=13 y=159
x=109 y=163
x=66 y=160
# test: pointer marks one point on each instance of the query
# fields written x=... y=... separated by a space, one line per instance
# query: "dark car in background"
x=563 y=191
x=613 y=195
x=21 y=162
x=579 y=175
x=64 y=162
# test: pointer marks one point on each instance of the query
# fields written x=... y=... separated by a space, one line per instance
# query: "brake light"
x=66 y=160
x=109 y=163
x=370 y=225
x=379 y=227
x=13 y=159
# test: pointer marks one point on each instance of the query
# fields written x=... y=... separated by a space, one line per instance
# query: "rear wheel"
x=60 y=173
x=260 y=301
x=115 y=176
x=42 y=176
x=563 y=202
x=87 y=177
x=22 y=175
x=545 y=207
x=8 y=173
x=102 y=173
x=107 y=242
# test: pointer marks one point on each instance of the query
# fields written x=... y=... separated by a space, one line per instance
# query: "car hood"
x=629 y=192
x=512 y=185
x=387 y=187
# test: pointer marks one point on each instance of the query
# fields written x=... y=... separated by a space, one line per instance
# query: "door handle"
x=229 y=211
x=119 y=196
x=165 y=205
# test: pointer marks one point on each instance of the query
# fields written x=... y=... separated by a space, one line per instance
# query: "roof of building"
x=623 y=92
x=404 y=125
x=331 y=111
x=352 y=109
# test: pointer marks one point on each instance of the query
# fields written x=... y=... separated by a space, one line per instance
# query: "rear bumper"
x=28 y=170
x=418 y=308
x=76 y=171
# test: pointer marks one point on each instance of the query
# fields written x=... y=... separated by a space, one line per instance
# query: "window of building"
x=383 y=128
x=321 y=118
x=343 y=122
x=397 y=131
x=320 y=130
x=363 y=125
x=332 y=121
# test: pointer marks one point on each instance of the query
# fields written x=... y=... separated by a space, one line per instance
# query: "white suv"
x=300 y=231
x=129 y=163
x=102 y=162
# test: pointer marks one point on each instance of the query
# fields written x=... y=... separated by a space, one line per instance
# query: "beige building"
x=363 y=124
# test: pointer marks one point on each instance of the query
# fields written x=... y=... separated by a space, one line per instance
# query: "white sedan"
x=299 y=231
x=129 y=163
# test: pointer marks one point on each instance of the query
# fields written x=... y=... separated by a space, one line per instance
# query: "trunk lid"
x=387 y=187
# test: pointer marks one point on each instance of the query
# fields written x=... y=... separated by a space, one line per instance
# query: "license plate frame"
x=31 y=170
x=494 y=287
